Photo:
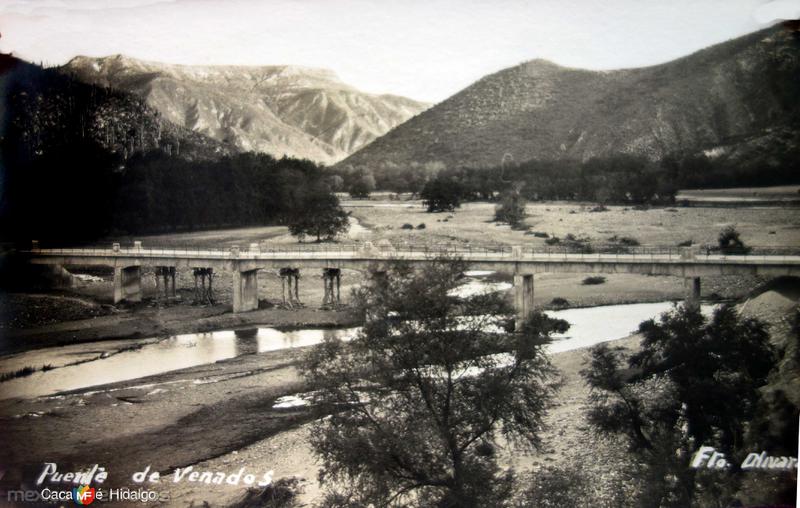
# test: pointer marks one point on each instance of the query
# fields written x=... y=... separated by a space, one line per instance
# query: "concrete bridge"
x=523 y=262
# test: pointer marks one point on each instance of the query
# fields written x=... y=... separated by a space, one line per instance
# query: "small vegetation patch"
x=559 y=302
x=421 y=225
x=25 y=371
x=594 y=280
x=407 y=226
x=599 y=208
x=281 y=493
x=686 y=243
x=731 y=243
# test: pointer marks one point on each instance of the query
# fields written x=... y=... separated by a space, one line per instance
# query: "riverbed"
x=83 y=366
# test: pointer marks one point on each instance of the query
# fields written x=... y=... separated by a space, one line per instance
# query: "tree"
x=441 y=194
x=320 y=215
x=423 y=392
x=511 y=208
x=694 y=383
x=362 y=185
x=730 y=243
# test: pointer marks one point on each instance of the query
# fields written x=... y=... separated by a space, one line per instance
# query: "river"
x=95 y=365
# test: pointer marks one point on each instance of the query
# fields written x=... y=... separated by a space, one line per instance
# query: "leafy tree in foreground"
x=424 y=394
x=319 y=216
x=694 y=383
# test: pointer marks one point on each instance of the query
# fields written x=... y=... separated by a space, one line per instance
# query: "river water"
x=589 y=326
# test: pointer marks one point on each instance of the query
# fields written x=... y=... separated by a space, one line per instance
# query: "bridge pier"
x=290 y=277
x=692 y=285
x=165 y=281
x=245 y=290
x=523 y=298
x=203 y=294
x=331 y=281
x=127 y=283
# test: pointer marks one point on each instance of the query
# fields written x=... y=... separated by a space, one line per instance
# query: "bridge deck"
x=654 y=255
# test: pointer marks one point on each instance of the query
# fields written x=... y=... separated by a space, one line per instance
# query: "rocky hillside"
x=44 y=109
x=740 y=95
x=280 y=110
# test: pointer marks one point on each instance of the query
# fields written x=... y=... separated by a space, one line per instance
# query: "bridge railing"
x=475 y=252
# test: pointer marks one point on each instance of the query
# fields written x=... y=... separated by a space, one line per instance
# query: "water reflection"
x=589 y=326
x=173 y=353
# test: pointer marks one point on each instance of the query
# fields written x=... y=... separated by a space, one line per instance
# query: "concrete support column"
x=692 y=285
x=172 y=281
x=523 y=298
x=127 y=284
x=245 y=290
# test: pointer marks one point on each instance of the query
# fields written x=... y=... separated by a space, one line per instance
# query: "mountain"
x=280 y=110
x=739 y=95
x=43 y=109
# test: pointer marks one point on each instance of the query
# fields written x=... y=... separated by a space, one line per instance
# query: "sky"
x=423 y=49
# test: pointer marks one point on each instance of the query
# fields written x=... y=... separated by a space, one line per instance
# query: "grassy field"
x=472 y=224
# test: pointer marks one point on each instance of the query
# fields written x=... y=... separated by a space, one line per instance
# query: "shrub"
x=599 y=208
x=25 y=371
x=407 y=226
x=538 y=234
x=553 y=240
x=629 y=241
x=559 y=302
x=421 y=225
x=280 y=493
x=686 y=243
x=594 y=280
x=730 y=243
x=556 y=487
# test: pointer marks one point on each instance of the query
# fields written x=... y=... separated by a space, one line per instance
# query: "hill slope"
x=43 y=109
x=739 y=92
x=280 y=110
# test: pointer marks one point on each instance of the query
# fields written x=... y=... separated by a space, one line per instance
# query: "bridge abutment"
x=127 y=284
x=245 y=290
x=523 y=298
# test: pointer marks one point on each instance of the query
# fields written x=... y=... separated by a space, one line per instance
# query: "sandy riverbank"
x=220 y=417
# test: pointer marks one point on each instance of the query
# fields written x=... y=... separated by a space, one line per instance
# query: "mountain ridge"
x=541 y=110
x=303 y=112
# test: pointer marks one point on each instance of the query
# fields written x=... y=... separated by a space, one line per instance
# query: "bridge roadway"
x=522 y=262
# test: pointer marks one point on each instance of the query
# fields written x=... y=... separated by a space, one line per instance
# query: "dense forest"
x=619 y=178
x=81 y=161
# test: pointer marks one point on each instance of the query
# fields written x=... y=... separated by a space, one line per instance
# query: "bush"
x=555 y=487
x=407 y=226
x=281 y=493
x=540 y=234
x=559 y=302
x=730 y=243
x=629 y=241
x=686 y=243
x=599 y=208
x=25 y=371
x=594 y=280
x=553 y=240
x=421 y=225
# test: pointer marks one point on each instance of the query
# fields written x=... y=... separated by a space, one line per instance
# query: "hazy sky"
x=424 y=49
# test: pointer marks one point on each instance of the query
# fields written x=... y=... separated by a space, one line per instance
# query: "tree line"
x=81 y=192
x=620 y=178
